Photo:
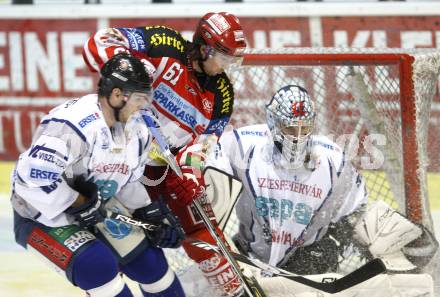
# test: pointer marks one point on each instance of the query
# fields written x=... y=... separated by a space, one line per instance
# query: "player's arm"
x=43 y=177
x=40 y=176
x=223 y=104
x=103 y=45
x=106 y=43
x=229 y=154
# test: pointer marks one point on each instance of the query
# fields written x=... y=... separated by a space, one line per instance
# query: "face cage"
x=293 y=147
x=293 y=152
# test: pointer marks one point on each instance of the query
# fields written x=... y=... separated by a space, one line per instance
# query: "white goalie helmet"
x=290 y=116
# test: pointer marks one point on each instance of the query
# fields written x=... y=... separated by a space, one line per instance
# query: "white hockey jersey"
x=283 y=208
x=74 y=140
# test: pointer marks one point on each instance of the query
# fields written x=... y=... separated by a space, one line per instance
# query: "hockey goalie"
x=303 y=207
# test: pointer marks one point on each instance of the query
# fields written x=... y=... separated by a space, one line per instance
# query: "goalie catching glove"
x=169 y=232
x=401 y=244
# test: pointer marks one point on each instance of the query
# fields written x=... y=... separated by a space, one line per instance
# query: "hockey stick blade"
x=252 y=288
x=364 y=273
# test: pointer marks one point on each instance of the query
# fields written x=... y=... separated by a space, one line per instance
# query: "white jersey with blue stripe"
x=74 y=140
x=279 y=203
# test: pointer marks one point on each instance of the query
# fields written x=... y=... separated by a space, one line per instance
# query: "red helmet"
x=222 y=31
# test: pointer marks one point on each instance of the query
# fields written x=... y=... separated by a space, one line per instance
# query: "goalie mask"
x=290 y=116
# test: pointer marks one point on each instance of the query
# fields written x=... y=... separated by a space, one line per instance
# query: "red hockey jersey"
x=188 y=103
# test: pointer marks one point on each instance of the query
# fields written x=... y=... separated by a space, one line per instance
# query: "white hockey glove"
x=386 y=232
x=195 y=153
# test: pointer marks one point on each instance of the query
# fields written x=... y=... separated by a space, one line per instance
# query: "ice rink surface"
x=24 y=275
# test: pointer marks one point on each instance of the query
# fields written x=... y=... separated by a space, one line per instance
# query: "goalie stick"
x=363 y=273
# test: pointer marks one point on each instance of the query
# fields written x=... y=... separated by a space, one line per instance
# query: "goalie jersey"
x=74 y=140
x=282 y=208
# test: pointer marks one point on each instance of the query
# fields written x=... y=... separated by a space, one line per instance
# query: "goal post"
x=385 y=92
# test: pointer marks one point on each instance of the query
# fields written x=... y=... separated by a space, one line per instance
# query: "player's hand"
x=169 y=232
x=88 y=210
x=168 y=236
x=184 y=190
x=196 y=152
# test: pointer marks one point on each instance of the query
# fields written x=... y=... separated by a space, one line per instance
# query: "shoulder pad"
x=79 y=114
x=223 y=91
x=322 y=148
x=324 y=143
x=165 y=42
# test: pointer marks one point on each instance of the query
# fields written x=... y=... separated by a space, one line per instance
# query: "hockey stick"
x=250 y=284
x=132 y=221
x=363 y=273
x=157 y=134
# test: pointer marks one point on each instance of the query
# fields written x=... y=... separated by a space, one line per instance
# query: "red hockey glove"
x=184 y=190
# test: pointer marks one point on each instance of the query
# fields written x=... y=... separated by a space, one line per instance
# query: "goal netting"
x=374 y=103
